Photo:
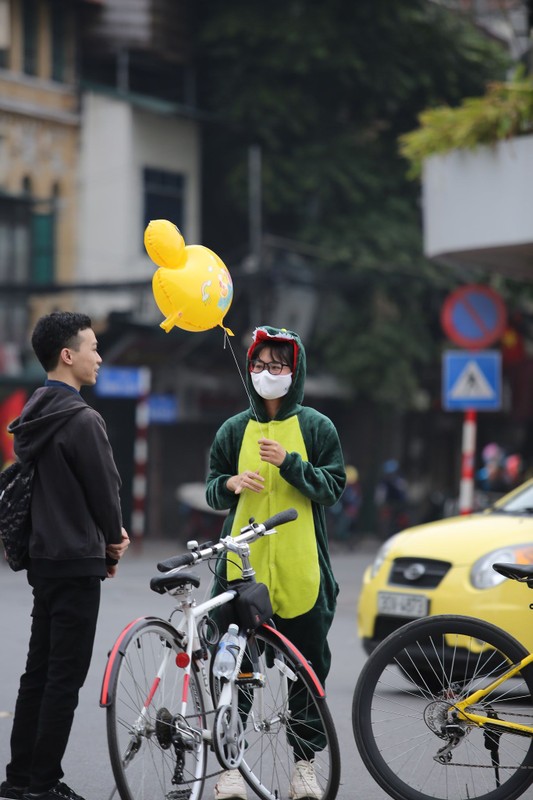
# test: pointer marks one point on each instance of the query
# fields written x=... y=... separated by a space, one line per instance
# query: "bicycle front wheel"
x=155 y=753
x=410 y=738
x=286 y=720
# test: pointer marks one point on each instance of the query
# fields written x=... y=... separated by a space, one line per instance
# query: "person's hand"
x=272 y=451
x=246 y=480
x=118 y=550
x=111 y=570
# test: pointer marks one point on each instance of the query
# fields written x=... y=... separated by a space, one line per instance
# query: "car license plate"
x=397 y=604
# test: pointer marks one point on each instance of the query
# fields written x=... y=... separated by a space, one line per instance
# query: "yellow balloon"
x=164 y=243
x=196 y=295
x=192 y=287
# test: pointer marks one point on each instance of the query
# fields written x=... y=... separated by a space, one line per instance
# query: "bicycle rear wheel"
x=154 y=753
x=403 y=721
x=285 y=719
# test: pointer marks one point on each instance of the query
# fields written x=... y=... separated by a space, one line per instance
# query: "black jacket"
x=75 y=507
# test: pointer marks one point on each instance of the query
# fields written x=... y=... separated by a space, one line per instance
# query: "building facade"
x=39 y=144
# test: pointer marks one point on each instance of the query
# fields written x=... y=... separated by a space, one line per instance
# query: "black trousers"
x=65 y=612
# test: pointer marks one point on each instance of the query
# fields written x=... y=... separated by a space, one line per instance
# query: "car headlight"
x=381 y=555
x=482 y=576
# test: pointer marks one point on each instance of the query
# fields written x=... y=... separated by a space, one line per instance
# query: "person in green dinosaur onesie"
x=275 y=455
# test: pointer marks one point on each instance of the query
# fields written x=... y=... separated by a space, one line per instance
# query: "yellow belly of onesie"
x=287 y=561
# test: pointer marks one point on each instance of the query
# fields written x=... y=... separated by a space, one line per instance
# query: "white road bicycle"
x=166 y=710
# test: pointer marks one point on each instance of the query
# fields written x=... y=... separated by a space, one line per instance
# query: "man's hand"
x=118 y=550
x=246 y=480
x=272 y=451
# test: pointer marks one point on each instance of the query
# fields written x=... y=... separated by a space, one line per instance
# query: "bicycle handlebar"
x=176 y=561
x=280 y=518
x=249 y=533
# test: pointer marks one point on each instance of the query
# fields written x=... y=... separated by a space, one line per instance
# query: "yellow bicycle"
x=443 y=709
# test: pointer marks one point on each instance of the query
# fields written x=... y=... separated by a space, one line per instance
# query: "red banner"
x=9 y=410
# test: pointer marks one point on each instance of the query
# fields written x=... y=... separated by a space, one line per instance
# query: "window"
x=36 y=229
x=5 y=32
x=43 y=242
x=58 y=41
x=164 y=196
x=14 y=258
x=15 y=215
x=30 y=23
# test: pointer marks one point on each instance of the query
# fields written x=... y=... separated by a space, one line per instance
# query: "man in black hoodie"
x=76 y=541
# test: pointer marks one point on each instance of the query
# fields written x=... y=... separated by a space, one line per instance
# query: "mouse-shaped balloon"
x=192 y=287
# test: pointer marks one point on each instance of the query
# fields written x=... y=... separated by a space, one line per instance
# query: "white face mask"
x=271 y=387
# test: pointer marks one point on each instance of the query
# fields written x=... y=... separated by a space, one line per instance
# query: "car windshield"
x=521 y=503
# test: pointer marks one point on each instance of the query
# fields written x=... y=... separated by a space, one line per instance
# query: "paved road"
x=128 y=596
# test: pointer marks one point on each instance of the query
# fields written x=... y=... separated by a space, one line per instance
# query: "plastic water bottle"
x=227 y=653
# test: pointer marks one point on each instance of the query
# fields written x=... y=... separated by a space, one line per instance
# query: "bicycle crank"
x=228 y=737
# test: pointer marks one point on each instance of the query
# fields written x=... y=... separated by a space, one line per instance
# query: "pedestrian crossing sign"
x=471 y=380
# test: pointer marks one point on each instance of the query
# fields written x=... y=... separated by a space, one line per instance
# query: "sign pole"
x=466 y=489
x=474 y=317
x=140 y=455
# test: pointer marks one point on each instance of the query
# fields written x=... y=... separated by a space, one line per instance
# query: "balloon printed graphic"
x=192 y=287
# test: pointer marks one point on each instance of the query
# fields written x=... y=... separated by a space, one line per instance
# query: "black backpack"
x=15 y=513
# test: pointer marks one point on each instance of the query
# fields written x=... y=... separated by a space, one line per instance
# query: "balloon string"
x=249 y=396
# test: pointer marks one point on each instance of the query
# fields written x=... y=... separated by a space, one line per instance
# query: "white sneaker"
x=231 y=786
x=304 y=785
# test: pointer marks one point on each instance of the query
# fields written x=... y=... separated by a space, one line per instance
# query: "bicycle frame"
x=195 y=652
x=168 y=705
x=189 y=625
x=485 y=722
x=189 y=639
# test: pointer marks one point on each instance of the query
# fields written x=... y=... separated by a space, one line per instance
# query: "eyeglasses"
x=274 y=367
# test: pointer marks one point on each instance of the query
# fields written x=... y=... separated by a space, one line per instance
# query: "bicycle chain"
x=211 y=774
x=490 y=766
x=205 y=777
x=510 y=714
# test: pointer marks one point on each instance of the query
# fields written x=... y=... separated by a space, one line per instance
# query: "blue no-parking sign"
x=471 y=380
x=474 y=316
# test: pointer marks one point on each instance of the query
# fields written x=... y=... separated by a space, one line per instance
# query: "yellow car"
x=445 y=567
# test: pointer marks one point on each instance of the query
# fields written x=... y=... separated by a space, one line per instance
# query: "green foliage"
x=381 y=333
x=326 y=89
x=505 y=110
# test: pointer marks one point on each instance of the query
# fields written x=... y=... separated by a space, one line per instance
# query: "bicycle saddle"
x=162 y=583
x=517 y=572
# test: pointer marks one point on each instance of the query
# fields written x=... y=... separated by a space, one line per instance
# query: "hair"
x=282 y=352
x=55 y=331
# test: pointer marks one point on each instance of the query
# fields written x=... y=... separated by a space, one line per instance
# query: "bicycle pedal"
x=254 y=679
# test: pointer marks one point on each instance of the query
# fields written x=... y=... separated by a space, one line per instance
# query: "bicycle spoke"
x=284 y=722
x=408 y=728
x=151 y=759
